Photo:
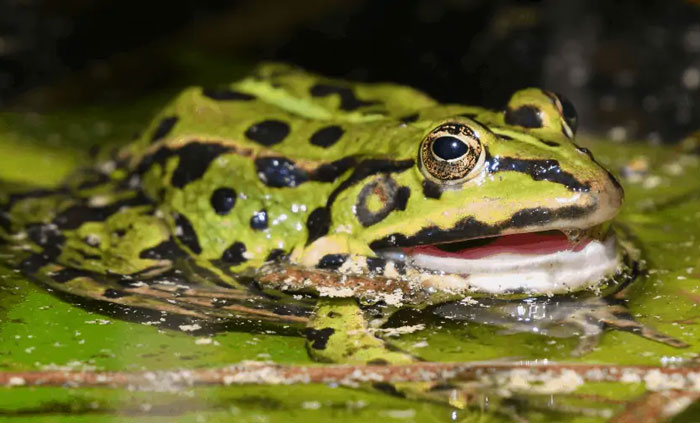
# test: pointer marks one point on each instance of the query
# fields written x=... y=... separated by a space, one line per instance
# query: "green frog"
x=304 y=202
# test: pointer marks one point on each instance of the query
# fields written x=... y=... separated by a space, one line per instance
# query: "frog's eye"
x=535 y=108
x=567 y=110
x=451 y=153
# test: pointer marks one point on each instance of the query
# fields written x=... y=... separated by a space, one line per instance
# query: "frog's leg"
x=116 y=249
x=338 y=332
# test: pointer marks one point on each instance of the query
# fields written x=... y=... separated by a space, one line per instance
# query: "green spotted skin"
x=286 y=171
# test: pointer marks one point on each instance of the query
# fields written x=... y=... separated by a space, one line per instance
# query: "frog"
x=324 y=207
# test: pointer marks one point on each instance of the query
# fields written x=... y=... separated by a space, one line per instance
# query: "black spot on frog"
x=268 y=132
x=318 y=338
x=327 y=136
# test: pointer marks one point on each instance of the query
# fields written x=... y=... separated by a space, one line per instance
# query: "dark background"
x=632 y=68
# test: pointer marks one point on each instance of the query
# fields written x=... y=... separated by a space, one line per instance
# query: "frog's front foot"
x=618 y=317
x=560 y=317
x=596 y=314
x=338 y=333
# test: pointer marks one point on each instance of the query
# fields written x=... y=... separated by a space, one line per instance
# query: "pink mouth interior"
x=529 y=243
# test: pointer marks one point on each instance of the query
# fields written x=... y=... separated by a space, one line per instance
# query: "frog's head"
x=496 y=202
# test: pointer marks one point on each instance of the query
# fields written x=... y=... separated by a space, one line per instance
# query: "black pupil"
x=223 y=200
x=449 y=148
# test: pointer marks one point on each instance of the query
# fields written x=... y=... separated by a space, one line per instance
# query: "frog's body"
x=289 y=182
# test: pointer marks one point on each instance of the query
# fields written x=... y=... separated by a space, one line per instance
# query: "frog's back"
x=283 y=110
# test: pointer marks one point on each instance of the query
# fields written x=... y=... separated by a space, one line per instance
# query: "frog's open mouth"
x=535 y=262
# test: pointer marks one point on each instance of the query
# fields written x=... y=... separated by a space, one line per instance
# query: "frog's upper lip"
x=525 y=221
x=527 y=243
x=533 y=243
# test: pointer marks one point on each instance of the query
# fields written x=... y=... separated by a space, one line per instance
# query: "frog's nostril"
x=585 y=151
